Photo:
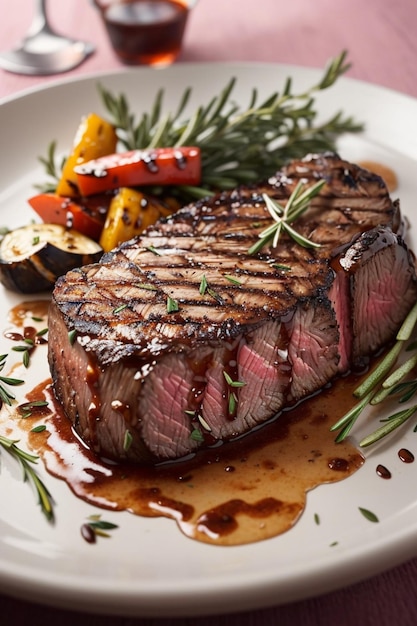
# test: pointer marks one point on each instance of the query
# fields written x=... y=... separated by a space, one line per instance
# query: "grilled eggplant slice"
x=32 y=257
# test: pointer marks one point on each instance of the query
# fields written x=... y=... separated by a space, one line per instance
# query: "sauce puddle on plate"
x=236 y=493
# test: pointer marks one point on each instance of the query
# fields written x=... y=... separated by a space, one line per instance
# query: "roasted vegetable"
x=32 y=257
x=94 y=138
x=137 y=168
x=87 y=215
x=129 y=214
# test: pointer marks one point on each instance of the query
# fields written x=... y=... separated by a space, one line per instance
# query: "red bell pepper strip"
x=86 y=217
x=136 y=168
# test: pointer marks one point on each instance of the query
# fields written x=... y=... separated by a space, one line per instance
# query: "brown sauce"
x=28 y=313
x=238 y=493
x=386 y=173
x=383 y=472
x=405 y=456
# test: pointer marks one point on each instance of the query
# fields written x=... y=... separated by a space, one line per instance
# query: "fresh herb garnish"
x=231 y=382
x=197 y=416
x=96 y=527
x=232 y=279
x=205 y=288
x=382 y=382
x=153 y=250
x=196 y=435
x=172 y=305
x=52 y=168
x=26 y=461
x=203 y=285
x=25 y=350
x=38 y=429
x=232 y=403
x=6 y=396
x=146 y=286
x=283 y=216
x=204 y=423
x=127 y=440
x=232 y=398
x=238 y=145
x=371 y=517
x=216 y=296
x=72 y=336
x=280 y=266
x=27 y=409
x=120 y=308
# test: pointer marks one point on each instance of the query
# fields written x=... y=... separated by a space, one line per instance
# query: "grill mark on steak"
x=282 y=333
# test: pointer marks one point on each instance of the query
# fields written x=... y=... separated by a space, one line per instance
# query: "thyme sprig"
x=238 y=145
x=26 y=461
x=283 y=216
x=385 y=380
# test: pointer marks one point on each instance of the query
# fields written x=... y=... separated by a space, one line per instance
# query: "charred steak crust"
x=184 y=339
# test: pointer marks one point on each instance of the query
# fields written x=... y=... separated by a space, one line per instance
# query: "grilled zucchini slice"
x=32 y=257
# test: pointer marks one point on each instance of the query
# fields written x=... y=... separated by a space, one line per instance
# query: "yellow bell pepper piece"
x=130 y=212
x=94 y=138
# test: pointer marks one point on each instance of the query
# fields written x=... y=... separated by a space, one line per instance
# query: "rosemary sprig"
x=238 y=145
x=283 y=216
x=26 y=461
x=6 y=396
x=52 y=169
x=384 y=381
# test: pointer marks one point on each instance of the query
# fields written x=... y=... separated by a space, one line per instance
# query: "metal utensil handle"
x=40 y=20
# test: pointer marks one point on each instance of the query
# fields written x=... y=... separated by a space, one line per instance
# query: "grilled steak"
x=185 y=339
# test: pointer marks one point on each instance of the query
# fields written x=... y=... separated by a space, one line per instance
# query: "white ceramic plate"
x=148 y=567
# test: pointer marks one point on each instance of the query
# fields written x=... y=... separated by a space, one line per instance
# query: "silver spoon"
x=43 y=51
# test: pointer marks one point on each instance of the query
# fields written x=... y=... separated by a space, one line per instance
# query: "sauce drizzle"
x=405 y=456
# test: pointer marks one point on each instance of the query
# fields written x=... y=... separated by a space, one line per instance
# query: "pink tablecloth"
x=381 y=38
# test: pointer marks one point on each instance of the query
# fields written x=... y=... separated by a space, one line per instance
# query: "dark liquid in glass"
x=145 y=31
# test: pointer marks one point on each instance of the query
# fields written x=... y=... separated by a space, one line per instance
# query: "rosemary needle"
x=392 y=423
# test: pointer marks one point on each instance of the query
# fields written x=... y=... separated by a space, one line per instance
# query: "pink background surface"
x=382 y=43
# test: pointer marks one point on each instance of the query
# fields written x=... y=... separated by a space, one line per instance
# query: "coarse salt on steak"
x=184 y=339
